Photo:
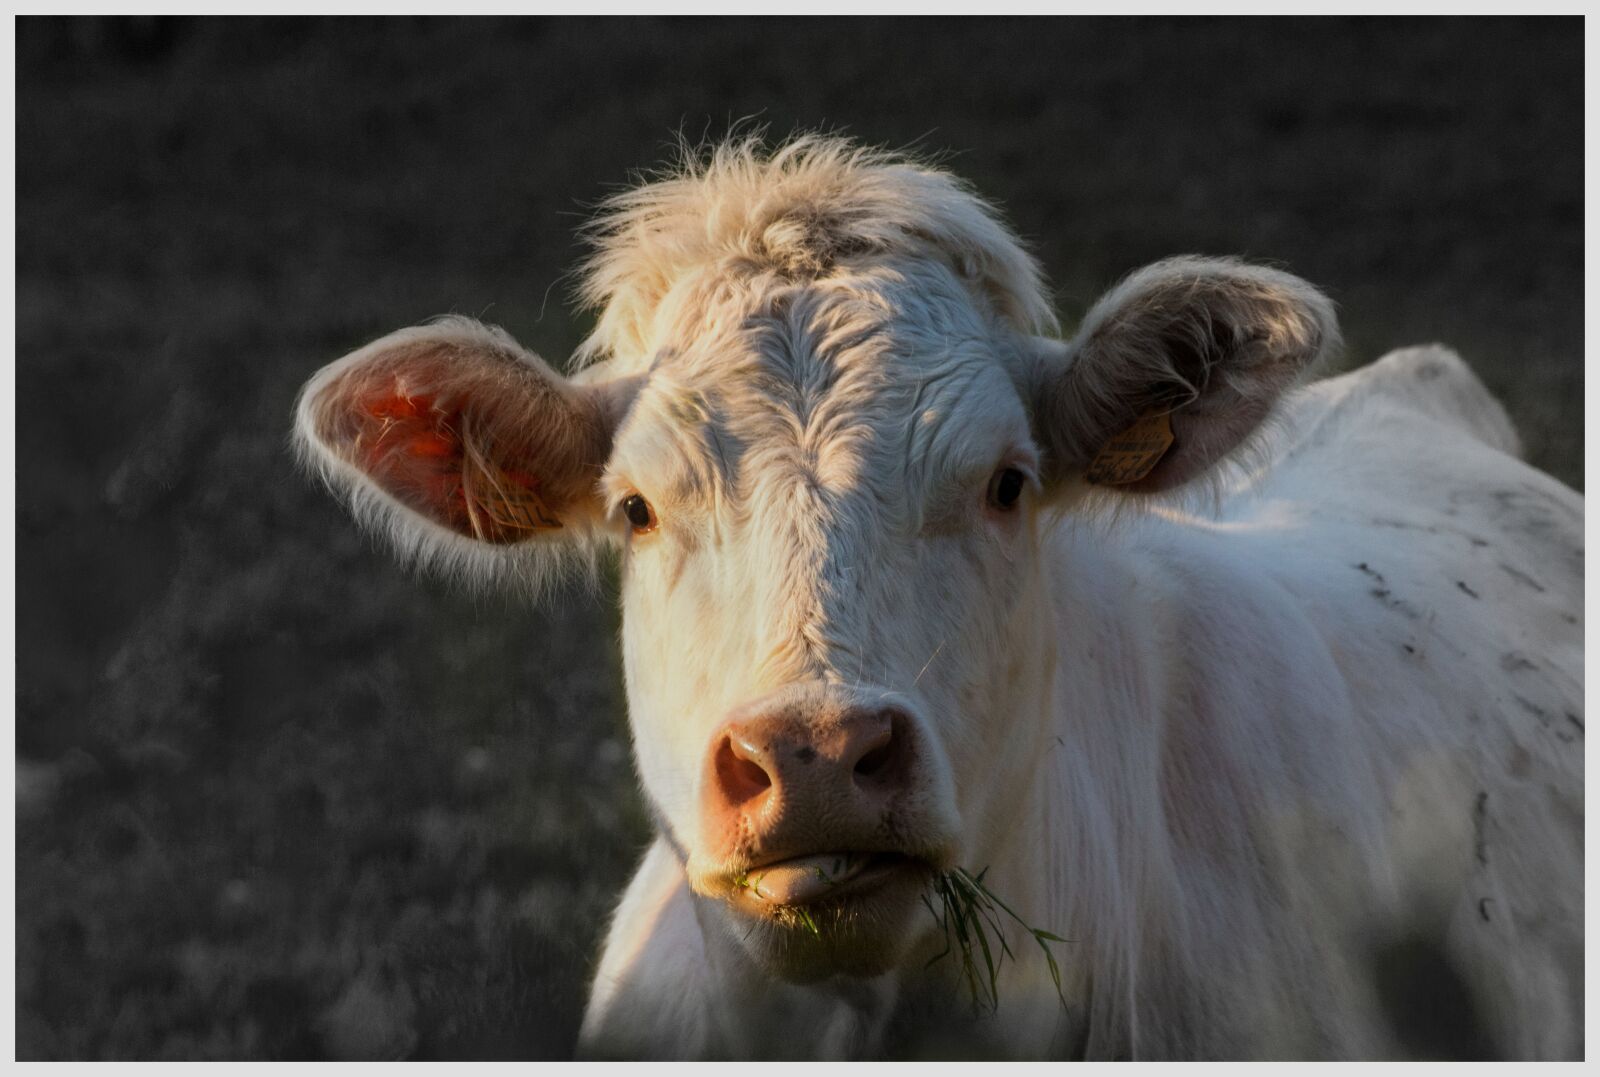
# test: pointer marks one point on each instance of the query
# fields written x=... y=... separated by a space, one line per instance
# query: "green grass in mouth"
x=970 y=917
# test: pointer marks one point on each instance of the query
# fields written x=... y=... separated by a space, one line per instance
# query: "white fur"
x=1255 y=772
x=1233 y=758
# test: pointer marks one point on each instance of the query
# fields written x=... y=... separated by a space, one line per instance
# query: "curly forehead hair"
x=812 y=206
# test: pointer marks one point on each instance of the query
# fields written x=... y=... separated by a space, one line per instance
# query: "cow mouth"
x=822 y=878
x=847 y=913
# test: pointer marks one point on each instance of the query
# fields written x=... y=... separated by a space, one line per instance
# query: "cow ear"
x=1175 y=369
x=459 y=442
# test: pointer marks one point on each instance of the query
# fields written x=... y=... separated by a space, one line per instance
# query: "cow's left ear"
x=468 y=452
x=1173 y=370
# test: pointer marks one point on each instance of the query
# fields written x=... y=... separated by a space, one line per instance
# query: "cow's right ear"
x=457 y=441
x=1173 y=371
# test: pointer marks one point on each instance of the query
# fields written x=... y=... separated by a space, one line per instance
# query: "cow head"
x=827 y=440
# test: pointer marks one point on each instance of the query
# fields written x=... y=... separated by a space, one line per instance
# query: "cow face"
x=829 y=490
x=832 y=644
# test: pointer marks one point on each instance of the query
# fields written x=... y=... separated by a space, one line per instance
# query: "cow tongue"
x=805 y=878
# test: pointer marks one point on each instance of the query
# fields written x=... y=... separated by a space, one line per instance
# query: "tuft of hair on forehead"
x=799 y=211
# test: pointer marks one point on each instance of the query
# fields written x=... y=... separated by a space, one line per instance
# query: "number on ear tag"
x=1134 y=453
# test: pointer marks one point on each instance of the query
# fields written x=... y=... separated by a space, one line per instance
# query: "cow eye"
x=1005 y=488
x=639 y=514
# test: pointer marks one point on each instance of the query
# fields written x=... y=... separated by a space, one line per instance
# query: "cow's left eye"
x=1006 y=487
x=639 y=514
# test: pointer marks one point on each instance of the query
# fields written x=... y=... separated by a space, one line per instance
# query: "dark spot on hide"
x=1480 y=820
x=1399 y=605
x=1575 y=720
x=1483 y=908
x=1532 y=708
x=1406 y=647
x=1520 y=763
x=806 y=754
x=1469 y=592
x=1514 y=662
x=1521 y=577
x=1374 y=573
x=1428 y=1002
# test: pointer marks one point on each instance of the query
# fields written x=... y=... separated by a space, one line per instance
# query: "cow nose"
x=840 y=764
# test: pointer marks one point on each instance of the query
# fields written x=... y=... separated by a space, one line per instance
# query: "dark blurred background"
x=277 y=799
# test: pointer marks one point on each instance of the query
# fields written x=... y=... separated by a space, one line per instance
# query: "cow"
x=993 y=693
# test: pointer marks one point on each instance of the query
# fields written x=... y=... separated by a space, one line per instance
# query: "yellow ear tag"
x=516 y=507
x=507 y=500
x=1132 y=454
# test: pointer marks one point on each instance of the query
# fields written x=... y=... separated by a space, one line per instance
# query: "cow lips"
x=807 y=879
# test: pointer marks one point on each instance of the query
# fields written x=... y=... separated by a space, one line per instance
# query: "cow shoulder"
x=1430 y=382
x=1436 y=381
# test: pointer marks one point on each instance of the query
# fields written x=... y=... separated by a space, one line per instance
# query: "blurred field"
x=278 y=800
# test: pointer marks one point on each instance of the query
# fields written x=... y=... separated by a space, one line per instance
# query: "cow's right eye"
x=639 y=514
x=1006 y=487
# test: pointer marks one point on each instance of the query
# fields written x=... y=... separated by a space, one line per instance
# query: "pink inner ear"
x=431 y=458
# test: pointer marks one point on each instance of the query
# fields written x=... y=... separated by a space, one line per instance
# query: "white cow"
x=1293 y=766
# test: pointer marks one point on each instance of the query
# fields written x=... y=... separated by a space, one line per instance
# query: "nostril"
x=875 y=761
x=741 y=777
x=751 y=774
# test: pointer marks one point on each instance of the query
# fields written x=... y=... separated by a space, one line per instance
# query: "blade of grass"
x=805 y=918
x=964 y=939
x=971 y=909
x=944 y=928
x=988 y=960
